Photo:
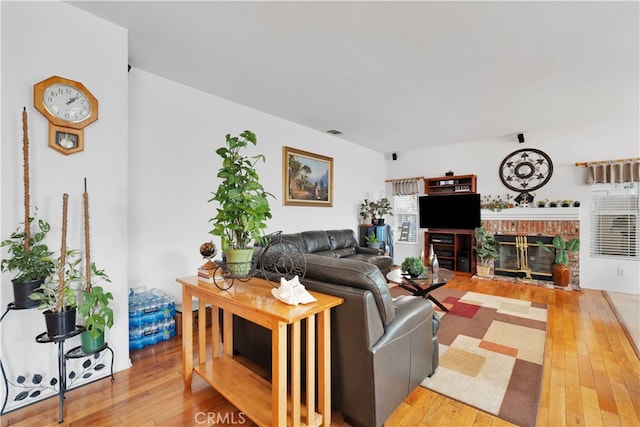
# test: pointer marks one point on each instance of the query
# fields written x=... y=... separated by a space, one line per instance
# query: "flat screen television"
x=457 y=211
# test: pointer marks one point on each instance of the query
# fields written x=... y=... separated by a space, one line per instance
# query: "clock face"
x=66 y=103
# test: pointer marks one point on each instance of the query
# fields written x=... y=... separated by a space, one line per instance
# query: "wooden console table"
x=265 y=403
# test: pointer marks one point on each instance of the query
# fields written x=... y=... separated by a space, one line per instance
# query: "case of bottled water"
x=151 y=317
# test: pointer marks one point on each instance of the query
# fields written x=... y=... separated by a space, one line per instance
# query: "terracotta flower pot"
x=560 y=274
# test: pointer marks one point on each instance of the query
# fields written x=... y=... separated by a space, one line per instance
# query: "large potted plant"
x=29 y=259
x=243 y=203
x=94 y=307
x=56 y=297
x=375 y=209
x=560 y=270
x=486 y=249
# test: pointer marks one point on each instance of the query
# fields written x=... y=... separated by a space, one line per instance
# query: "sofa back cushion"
x=296 y=239
x=316 y=241
x=342 y=239
x=356 y=274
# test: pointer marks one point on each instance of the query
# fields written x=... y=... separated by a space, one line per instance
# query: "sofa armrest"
x=363 y=250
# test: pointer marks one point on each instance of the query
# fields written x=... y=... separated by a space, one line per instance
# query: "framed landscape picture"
x=307 y=178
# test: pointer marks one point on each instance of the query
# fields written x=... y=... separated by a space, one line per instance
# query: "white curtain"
x=406 y=186
x=617 y=171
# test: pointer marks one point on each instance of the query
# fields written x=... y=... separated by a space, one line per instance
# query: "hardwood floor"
x=591 y=378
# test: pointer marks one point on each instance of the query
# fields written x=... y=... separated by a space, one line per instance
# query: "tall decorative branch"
x=63 y=253
x=27 y=196
x=87 y=245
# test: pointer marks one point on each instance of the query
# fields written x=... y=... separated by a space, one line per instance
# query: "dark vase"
x=380 y=221
x=60 y=323
x=21 y=292
x=553 y=204
x=576 y=204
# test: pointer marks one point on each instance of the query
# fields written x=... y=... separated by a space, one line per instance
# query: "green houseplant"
x=94 y=308
x=29 y=259
x=413 y=266
x=486 y=249
x=375 y=209
x=56 y=297
x=372 y=241
x=560 y=271
x=243 y=203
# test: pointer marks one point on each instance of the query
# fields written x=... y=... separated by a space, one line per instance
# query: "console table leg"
x=279 y=373
x=324 y=366
x=187 y=338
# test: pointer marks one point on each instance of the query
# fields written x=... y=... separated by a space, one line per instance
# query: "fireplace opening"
x=522 y=258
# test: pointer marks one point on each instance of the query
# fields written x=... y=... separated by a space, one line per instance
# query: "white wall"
x=596 y=141
x=174 y=132
x=33 y=34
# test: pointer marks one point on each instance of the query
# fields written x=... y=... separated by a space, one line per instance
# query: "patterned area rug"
x=491 y=354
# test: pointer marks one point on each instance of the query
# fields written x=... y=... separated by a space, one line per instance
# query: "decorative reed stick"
x=25 y=155
x=63 y=254
x=87 y=246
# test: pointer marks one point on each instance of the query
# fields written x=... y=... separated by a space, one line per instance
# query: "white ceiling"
x=396 y=76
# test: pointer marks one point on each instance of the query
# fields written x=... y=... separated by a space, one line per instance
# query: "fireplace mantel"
x=532 y=214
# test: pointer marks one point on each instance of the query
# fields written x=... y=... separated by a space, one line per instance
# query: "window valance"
x=612 y=171
x=406 y=186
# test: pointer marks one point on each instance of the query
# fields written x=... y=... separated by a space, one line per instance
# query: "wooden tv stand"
x=454 y=249
x=267 y=404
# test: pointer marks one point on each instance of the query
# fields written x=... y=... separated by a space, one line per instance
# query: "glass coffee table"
x=423 y=285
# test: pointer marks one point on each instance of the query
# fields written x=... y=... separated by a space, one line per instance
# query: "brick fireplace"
x=519 y=229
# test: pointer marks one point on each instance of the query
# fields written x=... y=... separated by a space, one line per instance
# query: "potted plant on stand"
x=486 y=248
x=57 y=297
x=560 y=270
x=243 y=204
x=30 y=257
x=372 y=241
x=94 y=308
x=383 y=207
x=30 y=260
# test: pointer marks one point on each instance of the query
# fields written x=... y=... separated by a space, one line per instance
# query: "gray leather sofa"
x=338 y=244
x=381 y=348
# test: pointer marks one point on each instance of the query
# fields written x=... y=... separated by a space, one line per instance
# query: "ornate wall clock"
x=525 y=170
x=69 y=107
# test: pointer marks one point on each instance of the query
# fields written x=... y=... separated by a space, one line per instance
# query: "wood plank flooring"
x=591 y=378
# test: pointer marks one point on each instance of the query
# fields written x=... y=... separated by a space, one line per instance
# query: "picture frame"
x=66 y=140
x=307 y=178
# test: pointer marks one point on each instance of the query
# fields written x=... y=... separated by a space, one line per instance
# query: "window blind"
x=615 y=221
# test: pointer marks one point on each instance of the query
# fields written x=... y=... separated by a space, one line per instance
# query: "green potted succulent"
x=560 y=270
x=372 y=241
x=243 y=203
x=94 y=307
x=413 y=266
x=56 y=297
x=29 y=259
x=486 y=249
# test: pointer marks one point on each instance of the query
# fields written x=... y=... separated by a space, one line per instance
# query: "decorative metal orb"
x=208 y=250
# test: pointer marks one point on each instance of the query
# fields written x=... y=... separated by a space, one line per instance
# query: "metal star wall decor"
x=525 y=170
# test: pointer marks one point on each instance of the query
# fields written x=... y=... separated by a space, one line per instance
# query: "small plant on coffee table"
x=413 y=266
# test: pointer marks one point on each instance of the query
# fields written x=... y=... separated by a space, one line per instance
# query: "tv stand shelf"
x=454 y=249
x=455 y=184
